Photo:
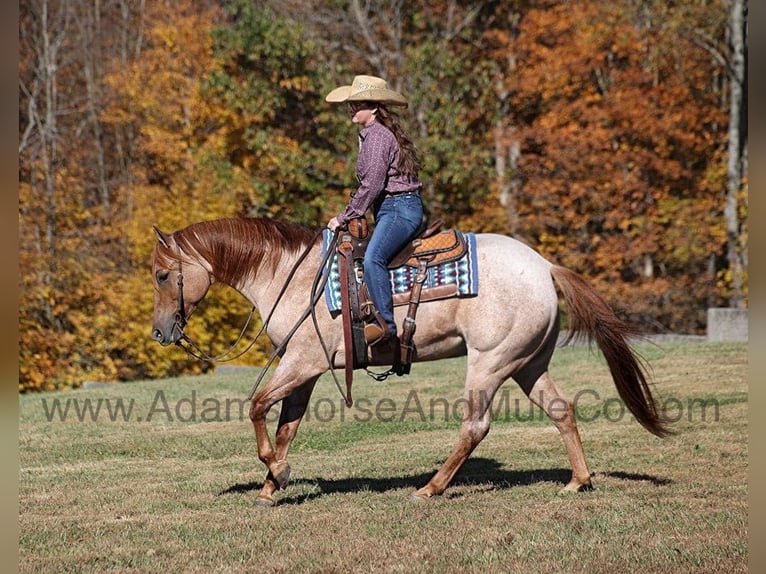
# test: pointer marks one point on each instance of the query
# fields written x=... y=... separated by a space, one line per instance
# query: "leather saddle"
x=432 y=243
x=435 y=245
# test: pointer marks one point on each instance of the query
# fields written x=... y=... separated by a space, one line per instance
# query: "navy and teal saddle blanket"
x=458 y=278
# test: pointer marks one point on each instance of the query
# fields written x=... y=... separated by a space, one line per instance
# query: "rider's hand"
x=333 y=224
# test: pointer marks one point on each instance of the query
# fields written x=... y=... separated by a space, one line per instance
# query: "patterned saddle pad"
x=458 y=278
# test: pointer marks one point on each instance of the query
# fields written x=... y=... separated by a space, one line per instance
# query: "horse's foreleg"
x=293 y=409
x=476 y=420
x=546 y=395
x=259 y=408
x=277 y=390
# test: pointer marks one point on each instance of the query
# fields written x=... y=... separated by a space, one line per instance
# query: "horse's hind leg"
x=291 y=414
x=476 y=419
x=546 y=395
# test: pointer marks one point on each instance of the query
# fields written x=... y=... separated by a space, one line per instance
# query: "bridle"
x=180 y=320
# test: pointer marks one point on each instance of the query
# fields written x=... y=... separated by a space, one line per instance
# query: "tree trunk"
x=737 y=164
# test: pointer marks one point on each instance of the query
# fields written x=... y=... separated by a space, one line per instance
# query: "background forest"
x=608 y=134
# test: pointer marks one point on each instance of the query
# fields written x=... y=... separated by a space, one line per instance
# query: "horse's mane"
x=237 y=247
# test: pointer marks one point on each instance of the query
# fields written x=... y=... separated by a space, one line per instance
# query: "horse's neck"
x=269 y=286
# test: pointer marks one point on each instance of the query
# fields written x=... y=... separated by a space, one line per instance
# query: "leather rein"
x=320 y=279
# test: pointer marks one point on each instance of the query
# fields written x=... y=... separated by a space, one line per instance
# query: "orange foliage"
x=616 y=145
x=204 y=110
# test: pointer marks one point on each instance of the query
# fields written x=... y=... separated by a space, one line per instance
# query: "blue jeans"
x=397 y=219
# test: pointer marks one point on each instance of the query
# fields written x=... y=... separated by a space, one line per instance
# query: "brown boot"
x=375 y=334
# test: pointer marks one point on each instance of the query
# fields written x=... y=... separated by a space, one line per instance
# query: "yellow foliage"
x=622 y=166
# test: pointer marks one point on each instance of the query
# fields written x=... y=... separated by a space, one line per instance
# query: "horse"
x=509 y=330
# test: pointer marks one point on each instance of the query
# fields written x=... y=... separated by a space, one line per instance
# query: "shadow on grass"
x=655 y=480
x=474 y=472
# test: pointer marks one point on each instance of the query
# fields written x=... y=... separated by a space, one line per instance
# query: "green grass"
x=173 y=491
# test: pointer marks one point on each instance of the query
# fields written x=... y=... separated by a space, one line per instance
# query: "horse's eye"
x=162 y=276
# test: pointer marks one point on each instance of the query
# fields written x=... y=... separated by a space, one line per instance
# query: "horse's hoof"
x=264 y=502
x=282 y=476
x=574 y=487
x=419 y=496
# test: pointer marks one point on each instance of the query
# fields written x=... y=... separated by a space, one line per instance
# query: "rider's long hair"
x=409 y=156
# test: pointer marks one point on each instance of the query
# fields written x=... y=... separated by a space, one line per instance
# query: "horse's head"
x=180 y=283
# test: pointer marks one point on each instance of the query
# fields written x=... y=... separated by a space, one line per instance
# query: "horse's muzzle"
x=158 y=336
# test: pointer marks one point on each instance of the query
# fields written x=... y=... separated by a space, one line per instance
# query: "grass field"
x=160 y=476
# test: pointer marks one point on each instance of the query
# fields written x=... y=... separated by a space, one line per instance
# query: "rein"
x=194 y=350
x=316 y=294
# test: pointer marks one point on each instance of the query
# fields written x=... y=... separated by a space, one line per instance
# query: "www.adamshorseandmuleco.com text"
x=588 y=406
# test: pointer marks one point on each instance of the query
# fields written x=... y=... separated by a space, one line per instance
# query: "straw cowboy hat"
x=367 y=89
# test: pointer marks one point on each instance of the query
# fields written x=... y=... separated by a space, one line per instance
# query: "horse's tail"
x=591 y=316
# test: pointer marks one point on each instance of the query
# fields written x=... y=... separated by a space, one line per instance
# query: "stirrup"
x=397 y=367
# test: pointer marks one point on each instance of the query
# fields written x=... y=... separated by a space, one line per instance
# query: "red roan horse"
x=509 y=330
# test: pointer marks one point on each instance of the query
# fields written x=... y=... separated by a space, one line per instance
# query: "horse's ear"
x=161 y=237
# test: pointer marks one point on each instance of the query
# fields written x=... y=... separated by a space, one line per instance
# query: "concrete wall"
x=725 y=324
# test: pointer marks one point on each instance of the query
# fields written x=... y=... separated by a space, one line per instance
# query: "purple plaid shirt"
x=376 y=171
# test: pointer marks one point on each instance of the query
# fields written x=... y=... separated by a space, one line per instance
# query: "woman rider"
x=387 y=169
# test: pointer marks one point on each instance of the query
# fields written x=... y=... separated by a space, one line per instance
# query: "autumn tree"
x=608 y=135
x=430 y=52
x=225 y=108
x=70 y=248
x=735 y=212
x=617 y=160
